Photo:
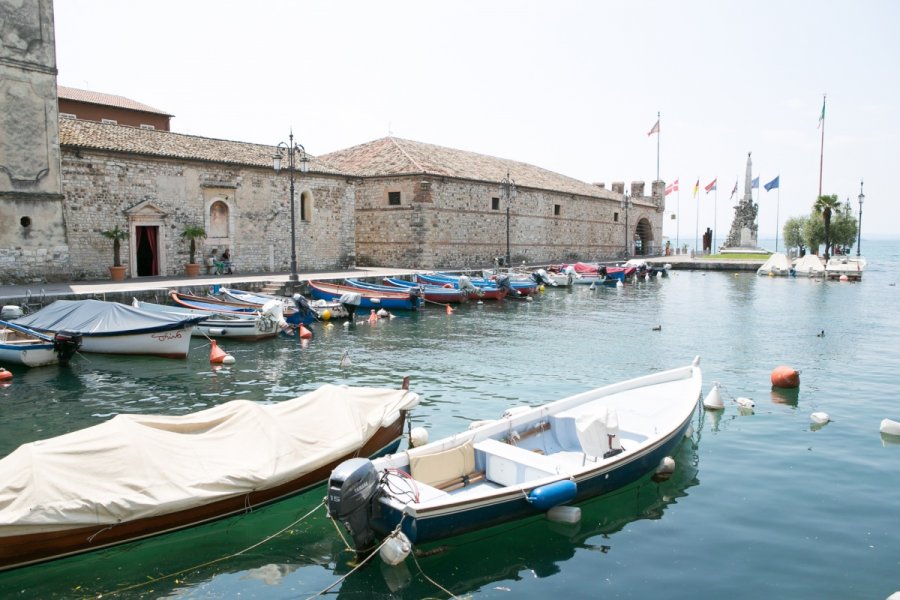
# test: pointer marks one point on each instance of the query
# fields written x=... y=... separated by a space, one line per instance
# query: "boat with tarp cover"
x=127 y=478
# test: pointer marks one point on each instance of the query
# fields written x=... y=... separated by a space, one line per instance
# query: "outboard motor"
x=415 y=297
x=540 y=276
x=66 y=344
x=602 y=272
x=351 y=301
x=351 y=488
x=502 y=282
x=307 y=314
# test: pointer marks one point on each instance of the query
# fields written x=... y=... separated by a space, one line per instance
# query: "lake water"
x=762 y=505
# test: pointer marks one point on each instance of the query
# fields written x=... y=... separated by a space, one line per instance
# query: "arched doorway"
x=643 y=238
x=147 y=248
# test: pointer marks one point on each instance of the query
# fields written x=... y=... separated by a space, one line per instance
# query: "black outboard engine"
x=415 y=295
x=351 y=301
x=66 y=344
x=602 y=271
x=351 y=488
x=303 y=307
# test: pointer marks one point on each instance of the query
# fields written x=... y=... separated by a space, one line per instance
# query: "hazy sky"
x=570 y=86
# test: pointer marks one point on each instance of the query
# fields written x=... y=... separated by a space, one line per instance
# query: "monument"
x=743 y=235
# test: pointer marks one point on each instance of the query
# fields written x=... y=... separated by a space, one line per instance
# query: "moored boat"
x=410 y=299
x=442 y=294
x=840 y=266
x=56 y=499
x=527 y=462
x=321 y=309
x=809 y=265
x=482 y=292
x=238 y=326
x=20 y=345
x=113 y=328
x=777 y=265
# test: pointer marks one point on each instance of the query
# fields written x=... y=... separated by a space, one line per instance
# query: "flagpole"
x=678 y=220
x=715 y=215
x=777 y=211
x=821 y=148
x=657 y=146
x=697 y=211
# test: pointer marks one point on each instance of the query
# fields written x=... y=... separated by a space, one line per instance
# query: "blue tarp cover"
x=99 y=318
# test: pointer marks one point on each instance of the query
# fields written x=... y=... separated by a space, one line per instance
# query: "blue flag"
x=772 y=184
x=754 y=184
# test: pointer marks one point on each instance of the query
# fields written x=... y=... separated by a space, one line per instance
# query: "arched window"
x=306 y=206
x=218 y=220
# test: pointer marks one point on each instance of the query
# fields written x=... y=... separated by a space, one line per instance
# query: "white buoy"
x=889 y=427
x=395 y=549
x=619 y=283
x=228 y=360
x=418 y=437
x=666 y=466
x=345 y=359
x=713 y=400
x=382 y=313
x=564 y=514
x=745 y=402
x=819 y=418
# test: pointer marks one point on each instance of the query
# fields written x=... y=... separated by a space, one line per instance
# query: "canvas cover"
x=809 y=264
x=778 y=264
x=97 y=318
x=135 y=466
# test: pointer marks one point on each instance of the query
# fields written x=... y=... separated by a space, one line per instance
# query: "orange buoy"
x=5 y=375
x=785 y=377
x=216 y=354
x=449 y=310
x=373 y=318
x=305 y=334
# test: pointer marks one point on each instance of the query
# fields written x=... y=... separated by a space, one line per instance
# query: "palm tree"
x=116 y=235
x=193 y=233
x=824 y=206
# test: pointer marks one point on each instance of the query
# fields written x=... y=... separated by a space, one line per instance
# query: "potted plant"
x=192 y=233
x=116 y=234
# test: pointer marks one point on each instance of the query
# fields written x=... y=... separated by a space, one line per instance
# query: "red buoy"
x=305 y=334
x=785 y=377
x=5 y=375
x=216 y=354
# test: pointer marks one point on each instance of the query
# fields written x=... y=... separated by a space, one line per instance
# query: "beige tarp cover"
x=135 y=466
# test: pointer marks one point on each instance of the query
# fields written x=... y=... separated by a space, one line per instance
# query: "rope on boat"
x=432 y=581
x=217 y=560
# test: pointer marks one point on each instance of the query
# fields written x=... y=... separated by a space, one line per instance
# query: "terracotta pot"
x=192 y=269
x=117 y=273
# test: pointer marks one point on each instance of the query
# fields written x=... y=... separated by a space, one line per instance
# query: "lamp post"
x=508 y=189
x=291 y=148
x=859 y=224
x=626 y=204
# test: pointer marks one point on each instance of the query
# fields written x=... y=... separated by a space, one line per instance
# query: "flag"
x=772 y=184
x=711 y=186
x=734 y=191
x=654 y=129
x=822 y=116
x=672 y=187
x=755 y=183
x=696 y=188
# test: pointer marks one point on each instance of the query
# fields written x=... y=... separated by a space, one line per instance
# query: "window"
x=145 y=126
x=305 y=207
x=393 y=198
x=495 y=203
x=109 y=121
x=556 y=209
x=615 y=217
x=66 y=116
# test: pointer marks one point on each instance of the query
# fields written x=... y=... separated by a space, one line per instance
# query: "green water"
x=761 y=505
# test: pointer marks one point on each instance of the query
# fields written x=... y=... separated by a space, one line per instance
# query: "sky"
x=569 y=86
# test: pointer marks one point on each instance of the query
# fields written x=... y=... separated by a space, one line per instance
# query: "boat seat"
x=598 y=433
x=506 y=464
x=439 y=469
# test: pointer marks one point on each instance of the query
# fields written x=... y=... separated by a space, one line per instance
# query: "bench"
x=506 y=464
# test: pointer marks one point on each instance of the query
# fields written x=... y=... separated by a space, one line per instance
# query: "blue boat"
x=528 y=462
x=441 y=294
x=366 y=299
x=482 y=291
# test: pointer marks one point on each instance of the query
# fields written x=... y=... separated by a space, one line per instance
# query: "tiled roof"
x=152 y=142
x=77 y=95
x=393 y=156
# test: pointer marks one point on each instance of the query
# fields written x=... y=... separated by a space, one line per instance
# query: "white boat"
x=245 y=327
x=531 y=460
x=776 y=265
x=850 y=266
x=113 y=328
x=30 y=348
x=809 y=265
x=137 y=475
x=335 y=310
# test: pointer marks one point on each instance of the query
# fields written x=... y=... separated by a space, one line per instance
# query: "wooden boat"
x=410 y=299
x=21 y=345
x=524 y=464
x=57 y=499
x=237 y=326
x=113 y=328
x=482 y=292
x=293 y=316
x=517 y=286
x=432 y=293
x=319 y=307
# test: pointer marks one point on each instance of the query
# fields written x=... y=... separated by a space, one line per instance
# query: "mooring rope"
x=217 y=560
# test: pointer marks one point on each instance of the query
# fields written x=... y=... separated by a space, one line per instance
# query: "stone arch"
x=219 y=213
x=219 y=221
x=643 y=238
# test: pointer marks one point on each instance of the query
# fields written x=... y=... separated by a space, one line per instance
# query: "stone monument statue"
x=743 y=232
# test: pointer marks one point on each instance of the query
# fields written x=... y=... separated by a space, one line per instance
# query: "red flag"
x=672 y=187
x=654 y=129
x=711 y=186
x=734 y=191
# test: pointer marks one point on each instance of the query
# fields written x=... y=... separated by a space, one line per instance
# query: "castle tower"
x=744 y=228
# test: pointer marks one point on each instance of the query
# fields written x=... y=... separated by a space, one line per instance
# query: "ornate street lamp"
x=625 y=204
x=292 y=148
x=508 y=189
x=859 y=224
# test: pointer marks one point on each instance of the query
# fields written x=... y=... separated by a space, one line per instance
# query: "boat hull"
x=173 y=343
x=369 y=299
x=21 y=550
x=30 y=355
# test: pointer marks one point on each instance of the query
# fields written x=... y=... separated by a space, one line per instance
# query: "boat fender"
x=889 y=427
x=819 y=418
x=784 y=376
x=545 y=497
x=564 y=514
x=395 y=548
x=5 y=375
x=216 y=331
x=666 y=466
x=228 y=360
x=418 y=436
x=744 y=402
x=713 y=400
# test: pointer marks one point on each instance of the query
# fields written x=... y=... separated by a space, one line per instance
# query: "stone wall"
x=104 y=189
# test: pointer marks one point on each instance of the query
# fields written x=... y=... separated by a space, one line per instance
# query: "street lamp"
x=859 y=224
x=291 y=148
x=508 y=189
x=625 y=204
